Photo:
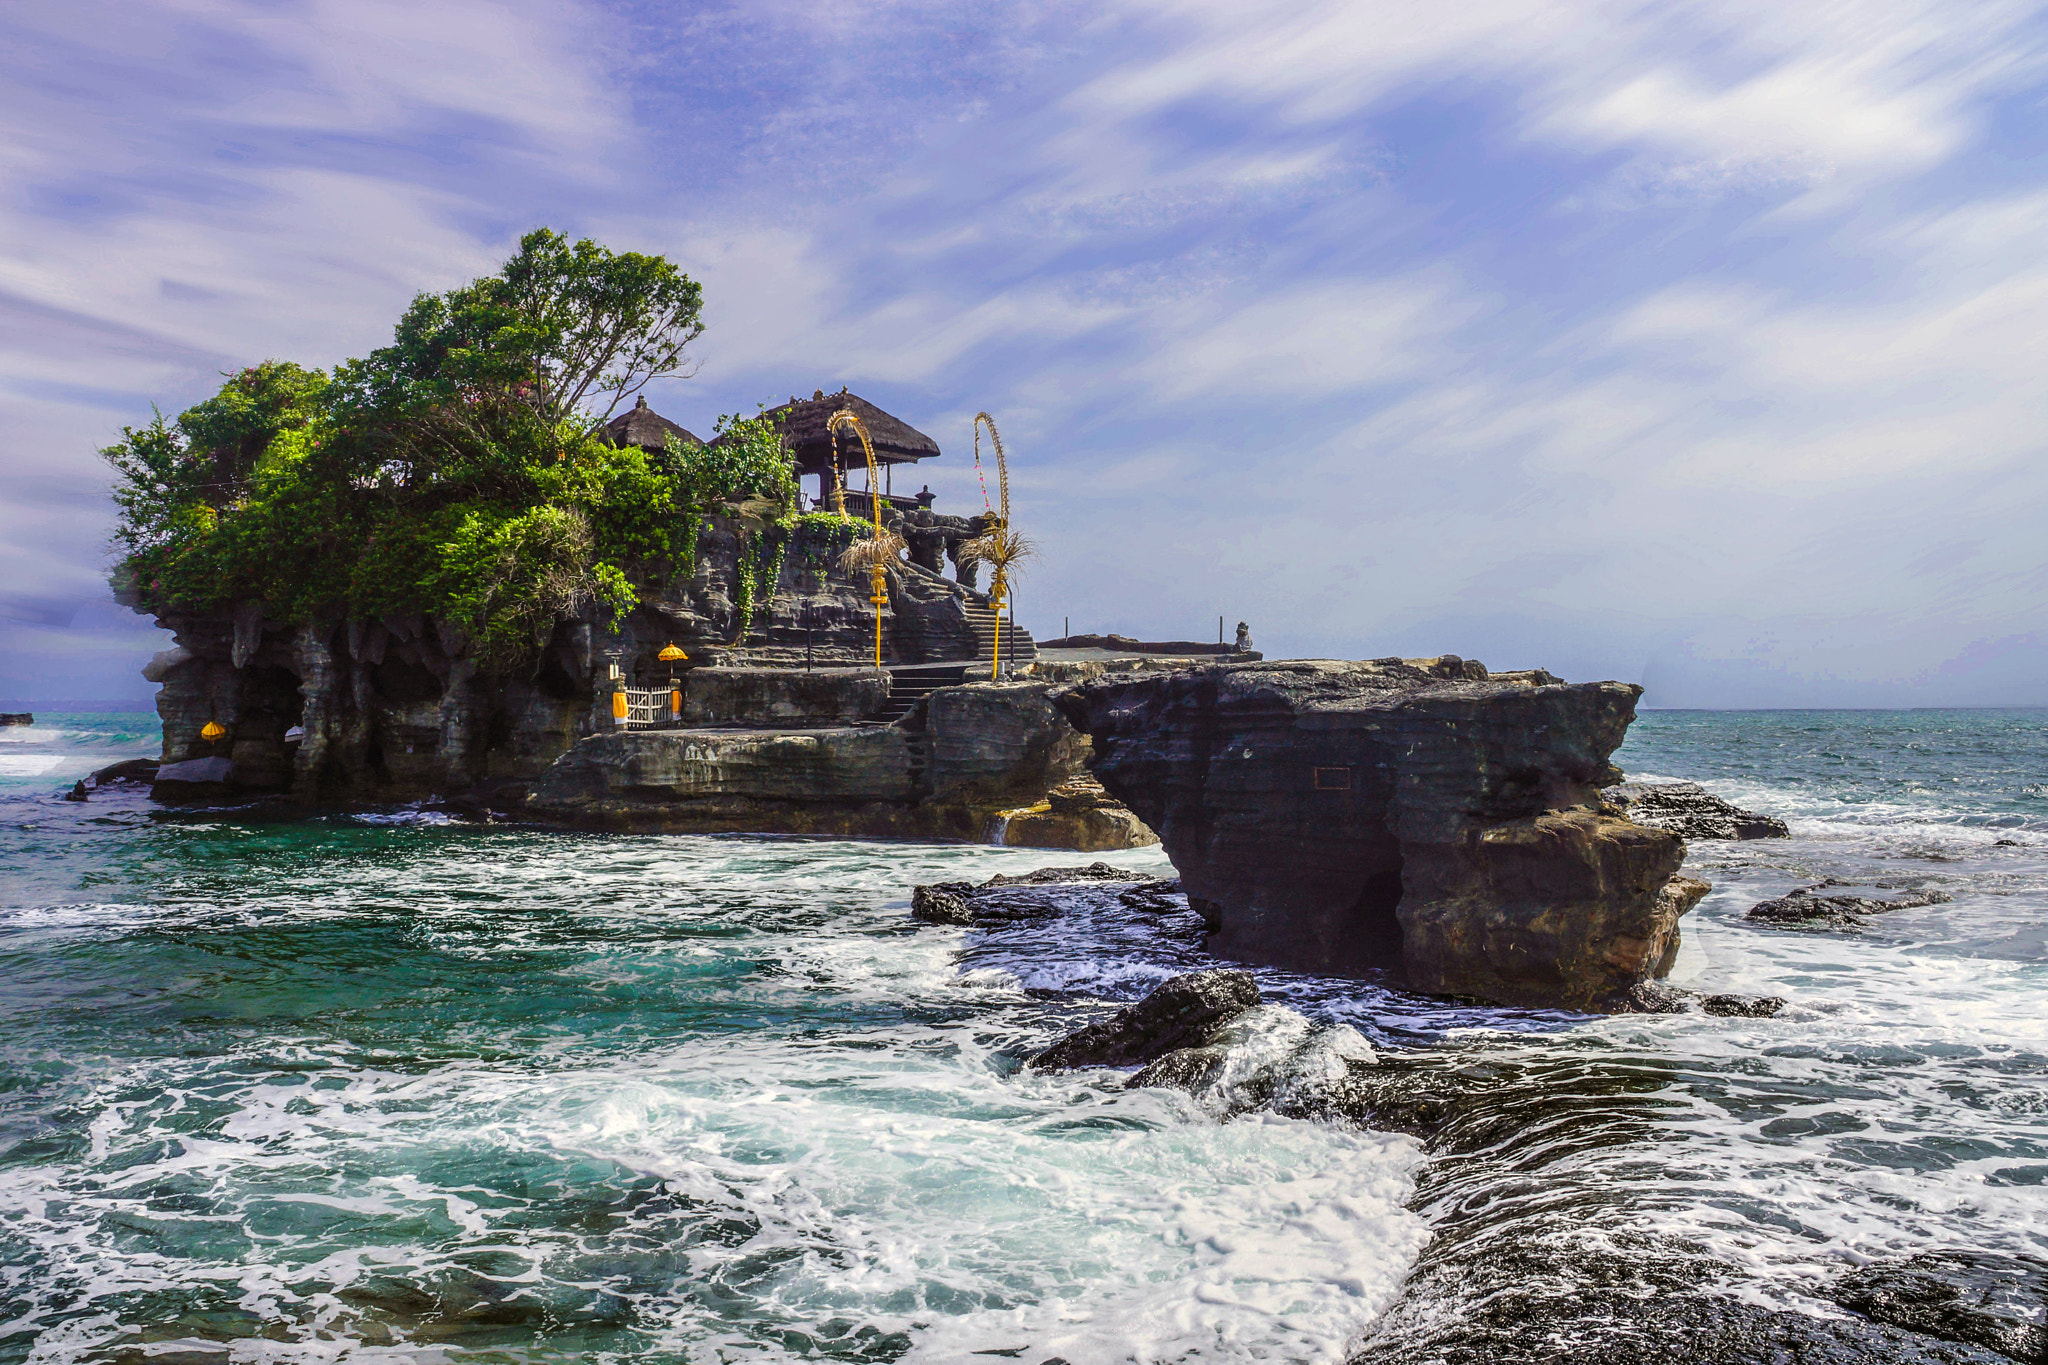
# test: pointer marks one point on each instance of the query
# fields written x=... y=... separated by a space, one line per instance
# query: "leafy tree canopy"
x=460 y=471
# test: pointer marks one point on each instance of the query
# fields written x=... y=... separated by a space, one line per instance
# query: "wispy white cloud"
x=1691 y=333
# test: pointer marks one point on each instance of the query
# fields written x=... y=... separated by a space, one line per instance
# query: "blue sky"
x=1693 y=344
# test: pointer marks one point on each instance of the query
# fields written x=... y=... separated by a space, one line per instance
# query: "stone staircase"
x=1018 y=647
x=909 y=683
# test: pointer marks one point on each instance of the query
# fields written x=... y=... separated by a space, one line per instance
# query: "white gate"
x=633 y=706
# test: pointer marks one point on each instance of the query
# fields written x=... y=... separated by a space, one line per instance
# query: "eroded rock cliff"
x=1418 y=815
x=398 y=708
x=960 y=765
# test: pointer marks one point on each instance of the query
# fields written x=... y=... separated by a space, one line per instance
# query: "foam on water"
x=622 y=1096
x=68 y=746
x=394 y=1085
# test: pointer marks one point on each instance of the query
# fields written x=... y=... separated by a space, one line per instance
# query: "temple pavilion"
x=816 y=452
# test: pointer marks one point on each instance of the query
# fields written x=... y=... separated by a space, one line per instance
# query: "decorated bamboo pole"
x=1002 y=547
x=882 y=547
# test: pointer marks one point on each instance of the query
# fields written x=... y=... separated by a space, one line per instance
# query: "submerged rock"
x=1157 y=897
x=1743 y=1006
x=942 y=903
x=1182 y=1013
x=1338 y=818
x=1998 y=1302
x=966 y=903
x=1833 y=904
x=1522 y=1301
x=1054 y=876
x=1269 y=1057
x=1691 y=811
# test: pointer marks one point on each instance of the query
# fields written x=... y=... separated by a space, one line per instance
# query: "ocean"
x=400 y=1086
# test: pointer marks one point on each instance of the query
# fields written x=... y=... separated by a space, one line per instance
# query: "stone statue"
x=1244 y=638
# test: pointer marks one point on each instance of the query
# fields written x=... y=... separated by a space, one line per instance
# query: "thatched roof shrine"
x=803 y=423
x=644 y=427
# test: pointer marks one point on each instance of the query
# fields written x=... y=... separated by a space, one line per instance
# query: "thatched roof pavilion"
x=644 y=427
x=803 y=422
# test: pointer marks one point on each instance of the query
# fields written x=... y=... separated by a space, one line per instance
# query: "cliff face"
x=950 y=769
x=1339 y=817
x=396 y=707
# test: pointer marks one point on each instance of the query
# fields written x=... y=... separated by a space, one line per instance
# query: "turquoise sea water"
x=398 y=1086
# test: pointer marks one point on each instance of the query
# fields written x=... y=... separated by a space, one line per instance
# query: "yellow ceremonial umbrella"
x=673 y=656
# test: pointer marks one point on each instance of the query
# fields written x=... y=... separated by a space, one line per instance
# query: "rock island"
x=468 y=568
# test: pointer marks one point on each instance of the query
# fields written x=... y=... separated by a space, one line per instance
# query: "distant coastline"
x=59 y=705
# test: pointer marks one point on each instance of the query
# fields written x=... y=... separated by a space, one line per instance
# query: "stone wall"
x=963 y=760
x=782 y=696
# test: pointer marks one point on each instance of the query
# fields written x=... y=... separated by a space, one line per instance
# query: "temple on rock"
x=757 y=627
x=924 y=625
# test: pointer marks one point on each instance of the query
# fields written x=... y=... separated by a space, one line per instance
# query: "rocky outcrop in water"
x=1999 y=1302
x=1833 y=904
x=1420 y=815
x=1691 y=811
x=128 y=772
x=968 y=903
x=1183 y=1013
x=1077 y=814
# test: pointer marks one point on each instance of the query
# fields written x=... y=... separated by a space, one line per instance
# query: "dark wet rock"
x=942 y=903
x=1657 y=997
x=1269 y=1057
x=1691 y=811
x=1341 y=818
x=1743 y=1006
x=1160 y=897
x=1999 y=1302
x=1527 y=1305
x=139 y=770
x=194 y=779
x=17 y=718
x=1833 y=904
x=131 y=770
x=1053 y=876
x=1002 y=899
x=2005 y=843
x=1652 y=997
x=1181 y=1013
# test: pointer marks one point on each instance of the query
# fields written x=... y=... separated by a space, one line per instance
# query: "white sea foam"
x=889 y=1176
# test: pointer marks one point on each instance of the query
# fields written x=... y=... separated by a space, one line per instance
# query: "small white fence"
x=632 y=706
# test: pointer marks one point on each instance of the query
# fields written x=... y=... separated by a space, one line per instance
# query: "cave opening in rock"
x=404 y=682
x=554 y=680
x=271 y=705
x=1375 y=927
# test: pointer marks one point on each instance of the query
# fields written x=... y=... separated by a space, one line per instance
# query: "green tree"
x=459 y=472
x=560 y=327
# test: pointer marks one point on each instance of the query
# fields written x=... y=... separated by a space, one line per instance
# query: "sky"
x=1692 y=344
